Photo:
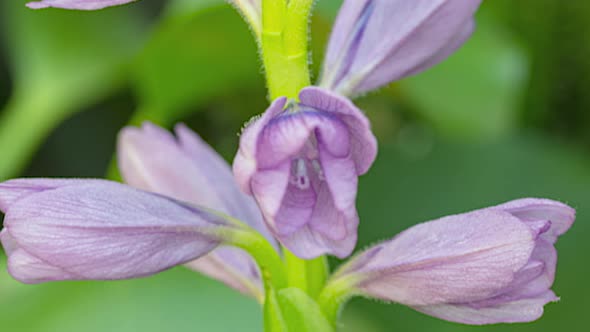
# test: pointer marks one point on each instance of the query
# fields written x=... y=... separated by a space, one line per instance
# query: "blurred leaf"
x=456 y=177
x=193 y=56
x=328 y=9
x=61 y=61
x=557 y=36
x=178 y=300
x=476 y=93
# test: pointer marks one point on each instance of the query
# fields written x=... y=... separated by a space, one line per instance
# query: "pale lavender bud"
x=186 y=168
x=375 y=42
x=95 y=229
x=77 y=4
x=301 y=163
x=483 y=267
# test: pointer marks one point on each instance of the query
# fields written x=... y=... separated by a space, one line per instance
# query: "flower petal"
x=245 y=163
x=101 y=230
x=530 y=210
x=77 y=4
x=185 y=168
x=525 y=310
x=286 y=135
x=363 y=142
x=12 y=191
x=419 y=33
x=459 y=258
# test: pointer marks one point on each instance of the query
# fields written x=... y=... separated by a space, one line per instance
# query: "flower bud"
x=301 y=163
x=483 y=267
x=95 y=229
x=375 y=42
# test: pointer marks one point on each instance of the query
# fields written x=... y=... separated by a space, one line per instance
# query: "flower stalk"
x=284 y=46
x=268 y=259
x=334 y=295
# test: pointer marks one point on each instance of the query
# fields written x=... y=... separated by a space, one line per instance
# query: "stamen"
x=318 y=169
x=300 y=179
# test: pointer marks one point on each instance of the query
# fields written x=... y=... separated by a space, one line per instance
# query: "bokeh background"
x=507 y=116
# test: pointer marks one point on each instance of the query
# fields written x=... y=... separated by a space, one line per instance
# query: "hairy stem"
x=284 y=46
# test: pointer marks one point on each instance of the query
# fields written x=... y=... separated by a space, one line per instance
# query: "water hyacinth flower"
x=487 y=266
x=68 y=229
x=375 y=42
x=77 y=4
x=301 y=162
x=186 y=168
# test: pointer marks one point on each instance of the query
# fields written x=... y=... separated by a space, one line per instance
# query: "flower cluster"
x=293 y=187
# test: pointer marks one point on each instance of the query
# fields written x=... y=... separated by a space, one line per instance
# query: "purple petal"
x=363 y=142
x=418 y=34
x=531 y=210
x=77 y=4
x=245 y=163
x=100 y=230
x=286 y=135
x=197 y=175
x=458 y=258
x=31 y=269
x=185 y=168
x=524 y=310
x=12 y=191
x=325 y=223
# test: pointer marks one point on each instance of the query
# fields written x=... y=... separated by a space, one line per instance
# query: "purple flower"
x=77 y=4
x=58 y=229
x=488 y=266
x=301 y=162
x=187 y=169
x=375 y=42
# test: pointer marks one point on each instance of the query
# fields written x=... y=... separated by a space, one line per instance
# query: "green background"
x=507 y=116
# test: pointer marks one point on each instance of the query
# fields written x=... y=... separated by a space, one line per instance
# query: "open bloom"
x=61 y=229
x=186 y=168
x=77 y=4
x=375 y=42
x=488 y=266
x=301 y=162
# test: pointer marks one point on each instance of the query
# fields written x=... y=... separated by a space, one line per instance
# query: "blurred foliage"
x=60 y=63
x=505 y=117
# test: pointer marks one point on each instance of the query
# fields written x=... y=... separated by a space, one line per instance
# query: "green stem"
x=308 y=275
x=296 y=270
x=336 y=293
x=317 y=274
x=266 y=256
x=284 y=45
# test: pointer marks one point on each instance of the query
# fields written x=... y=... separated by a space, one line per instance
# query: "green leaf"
x=61 y=61
x=476 y=93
